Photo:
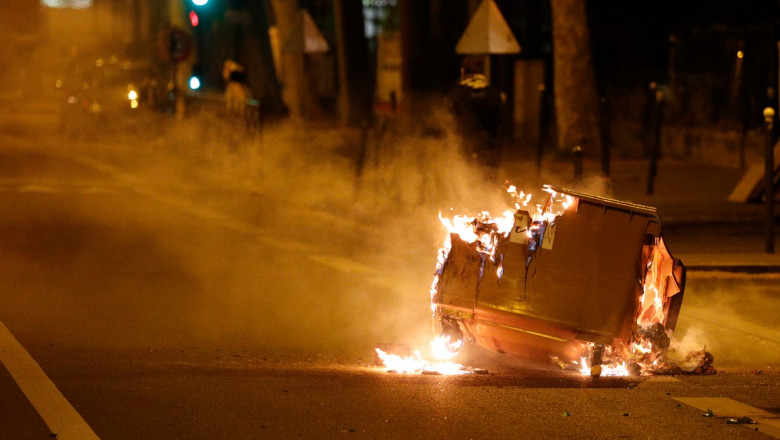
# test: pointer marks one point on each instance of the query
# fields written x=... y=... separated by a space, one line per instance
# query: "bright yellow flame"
x=439 y=349
x=416 y=365
x=740 y=54
x=619 y=369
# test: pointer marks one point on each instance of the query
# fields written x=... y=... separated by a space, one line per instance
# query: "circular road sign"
x=174 y=45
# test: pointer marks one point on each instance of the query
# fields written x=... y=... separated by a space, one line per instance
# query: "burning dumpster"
x=579 y=278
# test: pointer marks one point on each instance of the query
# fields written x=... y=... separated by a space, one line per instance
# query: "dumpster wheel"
x=452 y=337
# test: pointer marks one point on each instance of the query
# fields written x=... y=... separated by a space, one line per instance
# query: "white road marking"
x=343 y=264
x=55 y=188
x=766 y=422
x=61 y=418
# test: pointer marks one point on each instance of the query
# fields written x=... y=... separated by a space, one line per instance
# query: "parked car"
x=583 y=280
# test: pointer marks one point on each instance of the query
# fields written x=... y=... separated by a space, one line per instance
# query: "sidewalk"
x=700 y=226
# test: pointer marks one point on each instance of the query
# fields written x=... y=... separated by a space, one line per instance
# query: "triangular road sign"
x=750 y=189
x=315 y=42
x=487 y=33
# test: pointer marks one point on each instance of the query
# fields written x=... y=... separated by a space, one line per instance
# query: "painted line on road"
x=341 y=264
x=345 y=265
x=55 y=410
x=766 y=422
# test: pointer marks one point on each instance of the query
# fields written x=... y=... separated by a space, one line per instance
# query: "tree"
x=354 y=82
x=289 y=22
x=259 y=59
x=576 y=99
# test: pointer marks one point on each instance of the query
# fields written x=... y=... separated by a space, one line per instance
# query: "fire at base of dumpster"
x=584 y=280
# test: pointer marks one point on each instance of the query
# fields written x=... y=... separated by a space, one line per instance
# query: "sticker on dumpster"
x=520 y=229
x=549 y=236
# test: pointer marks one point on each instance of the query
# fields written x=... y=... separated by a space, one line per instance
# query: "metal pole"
x=605 y=135
x=542 y=127
x=769 y=183
x=656 y=147
x=577 y=157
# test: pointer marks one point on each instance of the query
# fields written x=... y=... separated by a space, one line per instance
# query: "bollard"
x=605 y=134
x=577 y=158
x=542 y=127
x=655 y=152
x=769 y=184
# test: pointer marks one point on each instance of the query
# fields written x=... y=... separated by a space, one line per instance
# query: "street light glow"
x=200 y=2
x=194 y=82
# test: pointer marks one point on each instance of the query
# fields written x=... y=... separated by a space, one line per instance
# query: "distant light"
x=740 y=54
x=134 y=103
x=200 y=2
x=68 y=4
x=194 y=19
x=132 y=95
x=194 y=82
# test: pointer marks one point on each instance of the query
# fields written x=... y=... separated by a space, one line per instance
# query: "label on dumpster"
x=549 y=236
x=520 y=229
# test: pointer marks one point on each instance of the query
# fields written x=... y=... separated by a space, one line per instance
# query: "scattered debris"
x=697 y=362
x=708 y=413
x=741 y=421
x=346 y=429
x=566 y=413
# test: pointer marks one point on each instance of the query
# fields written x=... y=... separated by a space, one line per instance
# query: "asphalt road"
x=162 y=315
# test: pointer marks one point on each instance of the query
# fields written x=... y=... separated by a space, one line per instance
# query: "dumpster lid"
x=612 y=203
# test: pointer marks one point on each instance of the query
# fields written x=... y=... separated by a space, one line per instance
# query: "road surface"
x=133 y=309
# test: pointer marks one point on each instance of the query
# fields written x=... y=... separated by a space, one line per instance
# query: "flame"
x=651 y=303
x=618 y=369
x=482 y=229
x=440 y=349
x=416 y=365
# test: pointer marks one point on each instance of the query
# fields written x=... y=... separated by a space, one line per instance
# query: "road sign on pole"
x=174 y=45
x=487 y=33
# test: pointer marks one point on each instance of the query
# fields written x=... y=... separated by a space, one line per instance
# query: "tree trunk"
x=355 y=86
x=259 y=59
x=576 y=99
x=289 y=22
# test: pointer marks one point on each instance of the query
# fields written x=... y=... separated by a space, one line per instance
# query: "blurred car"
x=108 y=92
x=586 y=280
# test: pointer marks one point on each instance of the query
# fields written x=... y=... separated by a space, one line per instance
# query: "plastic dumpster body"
x=580 y=283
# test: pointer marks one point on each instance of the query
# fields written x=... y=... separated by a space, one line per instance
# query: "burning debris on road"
x=583 y=280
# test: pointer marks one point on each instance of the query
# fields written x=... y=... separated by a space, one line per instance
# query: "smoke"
x=732 y=317
x=325 y=239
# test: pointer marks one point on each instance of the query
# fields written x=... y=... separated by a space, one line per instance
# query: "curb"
x=750 y=269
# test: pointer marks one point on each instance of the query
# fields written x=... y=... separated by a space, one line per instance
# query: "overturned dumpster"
x=578 y=279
